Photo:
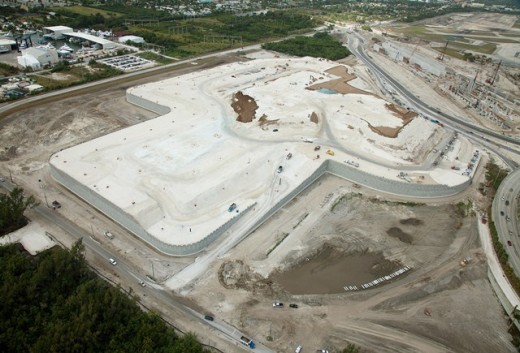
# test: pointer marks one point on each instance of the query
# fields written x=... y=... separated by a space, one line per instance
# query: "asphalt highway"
x=462 y=126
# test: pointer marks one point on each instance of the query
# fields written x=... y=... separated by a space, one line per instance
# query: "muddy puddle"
x=329 y=271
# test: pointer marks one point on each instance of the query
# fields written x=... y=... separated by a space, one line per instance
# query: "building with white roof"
x=36 y=58
x=103 y=43
x=56 y=32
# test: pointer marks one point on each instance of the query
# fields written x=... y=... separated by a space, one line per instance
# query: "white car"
x=112 y=261
x=298 y=349
x=109 y=235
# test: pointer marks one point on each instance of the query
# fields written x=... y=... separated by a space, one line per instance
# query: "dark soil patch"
x=330 y=270
x=412 y=222
x=398 y=233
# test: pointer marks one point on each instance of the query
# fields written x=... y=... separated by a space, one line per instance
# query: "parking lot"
x=128 y=63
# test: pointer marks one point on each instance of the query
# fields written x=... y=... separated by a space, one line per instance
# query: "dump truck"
x=248 y=342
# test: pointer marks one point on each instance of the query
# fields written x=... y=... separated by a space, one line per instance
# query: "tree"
x=351 y=348
x=12 y=208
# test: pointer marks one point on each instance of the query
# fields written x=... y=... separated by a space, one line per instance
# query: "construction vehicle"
x=248 y=342
x=465 y=261
x=232 y=207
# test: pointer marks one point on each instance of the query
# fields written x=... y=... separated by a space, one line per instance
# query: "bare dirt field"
x=332 y=236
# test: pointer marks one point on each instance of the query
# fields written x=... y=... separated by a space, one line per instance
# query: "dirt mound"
x=237 y=275
x=314 y=118
x=245 y=106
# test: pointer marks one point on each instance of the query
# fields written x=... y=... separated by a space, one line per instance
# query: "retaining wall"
x=128 y=222
x=339 y=169
x=147 y=104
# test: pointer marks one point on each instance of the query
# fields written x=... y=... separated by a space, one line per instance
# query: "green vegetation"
x=155 y=57
x=487 y=48
x=321 y=45
x=12 y=208
x=463 y=209
x=8 y=70
x=451 y=52
x=494 y=174
x=54 y=303
x=86 y=11
x=77 y=75
x=351 y=348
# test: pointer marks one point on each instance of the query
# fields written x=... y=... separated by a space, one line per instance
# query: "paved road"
x=505 y=203
x=504 y=211
x=462 y=126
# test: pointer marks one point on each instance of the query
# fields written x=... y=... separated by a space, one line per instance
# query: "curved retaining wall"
x=128 y=222
x=339 y=169
x=390 y=186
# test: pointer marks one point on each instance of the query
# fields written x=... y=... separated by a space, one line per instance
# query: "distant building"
x=37 y=58
x=56 y=32
x=6 y=45
x=130 y=38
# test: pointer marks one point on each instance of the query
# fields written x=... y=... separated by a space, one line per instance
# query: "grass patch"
x=8 y=70
x=50 y=84
x=451 y=52
x=495 y=39
x=487 y=48
x=88 y=11
x=284 y=235
x=155 y=57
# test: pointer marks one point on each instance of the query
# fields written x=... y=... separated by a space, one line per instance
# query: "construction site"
x=260 y=178
x=471 y=59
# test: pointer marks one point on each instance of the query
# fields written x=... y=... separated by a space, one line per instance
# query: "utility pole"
x=46 y=202
x=496 y=73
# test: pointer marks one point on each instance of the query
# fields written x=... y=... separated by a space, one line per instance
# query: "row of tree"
x=12 y=208
x=54 y=303
x=321 y=45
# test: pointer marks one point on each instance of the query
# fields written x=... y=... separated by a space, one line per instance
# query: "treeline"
x=12 y=208
x=54 y=303
x=321 y=45
x=269 y=25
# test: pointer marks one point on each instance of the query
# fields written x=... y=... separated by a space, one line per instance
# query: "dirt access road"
x=332 y=231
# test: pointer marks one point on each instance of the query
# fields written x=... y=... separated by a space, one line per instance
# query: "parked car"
x=209 y=317
x=294 y=306
x=298 y=349
x=56 y=204
x=109 y=235
x=112 y=261
x=322 y=351
x=277 y=305
x=509 y=243
x=142 y=283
